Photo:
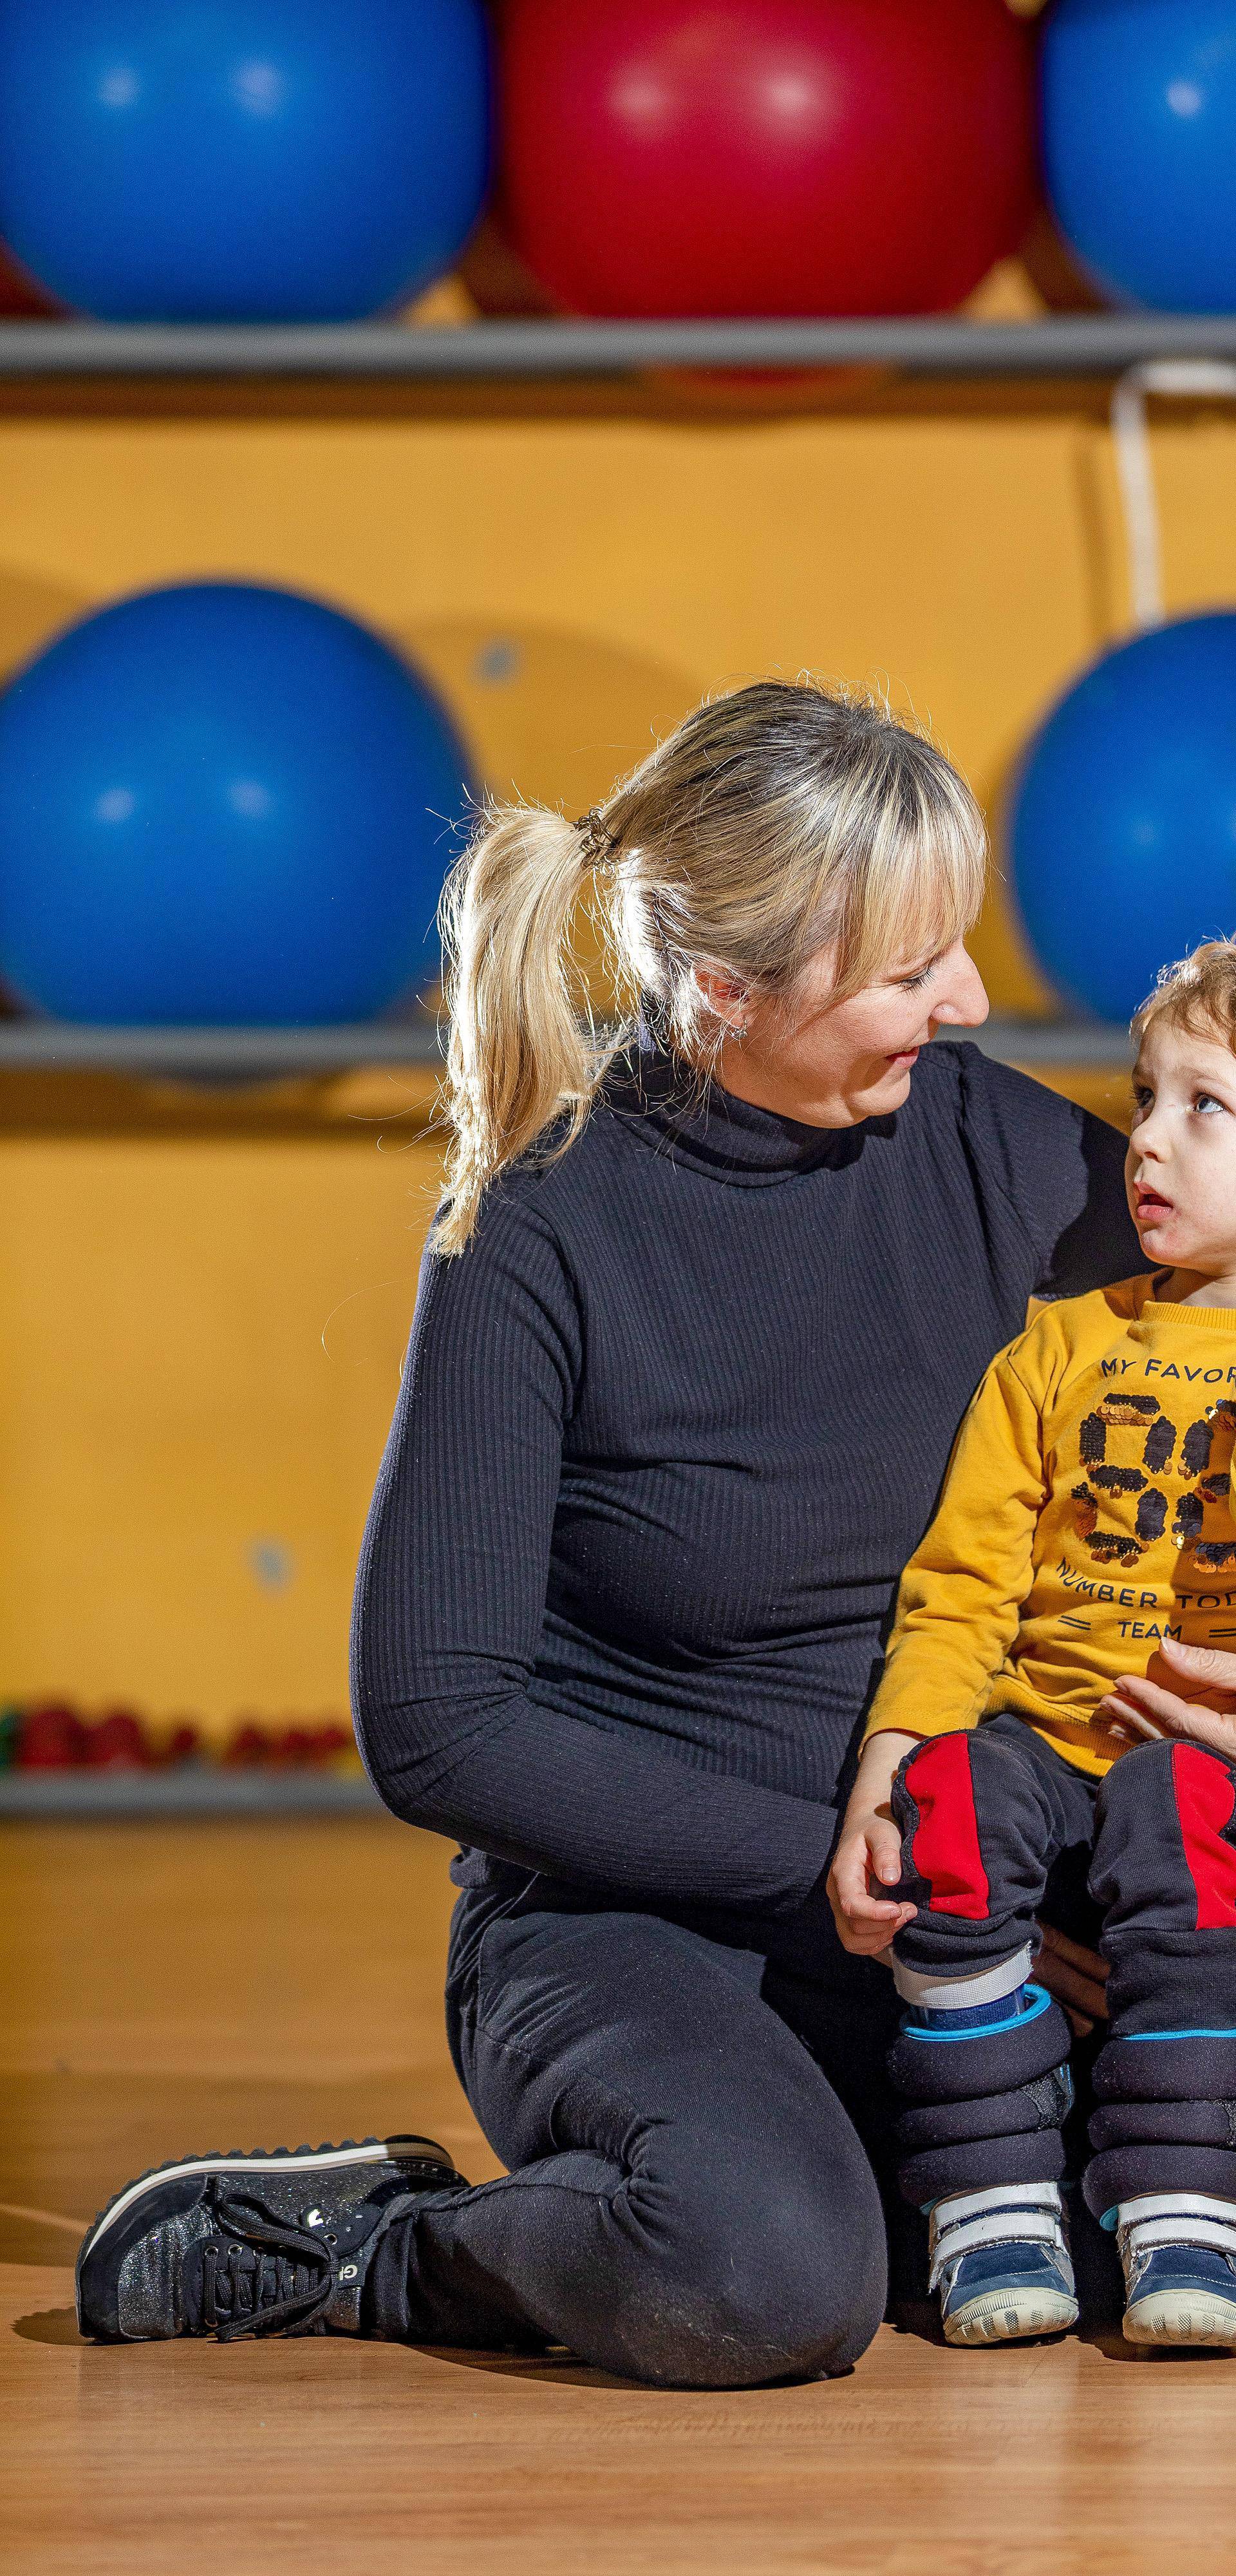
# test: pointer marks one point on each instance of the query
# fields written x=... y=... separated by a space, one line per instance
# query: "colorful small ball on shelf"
x=119 y=1742
x=52 y=1737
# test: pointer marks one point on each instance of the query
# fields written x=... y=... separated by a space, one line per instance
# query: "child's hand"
x=870 y=1848
x=1139 y=1708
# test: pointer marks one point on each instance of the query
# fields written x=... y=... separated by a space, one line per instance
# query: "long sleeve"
x=1059 y=1169
x=451 y=1599
x=961 y=1593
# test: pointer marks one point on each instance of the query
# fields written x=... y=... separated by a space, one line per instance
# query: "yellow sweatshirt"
x=1087 y=1513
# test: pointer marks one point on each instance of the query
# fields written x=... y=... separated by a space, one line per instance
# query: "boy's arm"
x=961 y=1594
x=957 y=1613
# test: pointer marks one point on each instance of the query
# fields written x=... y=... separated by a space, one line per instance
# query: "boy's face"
x=1181 y=1166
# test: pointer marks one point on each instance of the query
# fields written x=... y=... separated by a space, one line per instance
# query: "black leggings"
x=688 y=2201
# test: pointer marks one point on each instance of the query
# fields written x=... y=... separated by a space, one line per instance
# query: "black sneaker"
x=268 y=2243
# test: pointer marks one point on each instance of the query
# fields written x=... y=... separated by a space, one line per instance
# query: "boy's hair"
x=1197 y=993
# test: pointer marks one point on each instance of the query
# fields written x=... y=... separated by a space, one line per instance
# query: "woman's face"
x=831 y=1063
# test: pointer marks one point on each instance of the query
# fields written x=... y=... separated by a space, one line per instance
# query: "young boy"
x=1087 y=1518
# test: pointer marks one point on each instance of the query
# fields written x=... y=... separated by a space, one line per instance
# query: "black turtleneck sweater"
x=669 y=1428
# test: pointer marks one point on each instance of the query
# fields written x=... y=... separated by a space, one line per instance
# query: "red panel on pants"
x=945 y=1850
x=1204 y=1802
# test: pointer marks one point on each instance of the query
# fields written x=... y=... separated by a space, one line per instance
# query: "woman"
x=695 y=1330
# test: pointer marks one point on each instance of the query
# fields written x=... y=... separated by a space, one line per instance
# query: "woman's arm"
x=451 y=1598
x=1062 y=1172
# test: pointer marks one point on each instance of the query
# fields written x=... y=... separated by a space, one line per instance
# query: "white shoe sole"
x=1181 y=2317
x=1007 y=2316
x=264 y=2161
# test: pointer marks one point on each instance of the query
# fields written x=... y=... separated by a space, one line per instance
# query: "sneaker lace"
x=263 y=2276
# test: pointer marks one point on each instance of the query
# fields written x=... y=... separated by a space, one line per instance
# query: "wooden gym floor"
x=171 y=1988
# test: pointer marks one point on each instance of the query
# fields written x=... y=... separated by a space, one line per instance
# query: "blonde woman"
x=696 y=1328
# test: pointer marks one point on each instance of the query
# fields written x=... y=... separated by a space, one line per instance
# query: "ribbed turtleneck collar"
x=683 y=1114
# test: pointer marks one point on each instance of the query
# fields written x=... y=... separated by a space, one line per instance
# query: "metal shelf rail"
x=283 y=1054
x=191 y=1789
x=1066 y=345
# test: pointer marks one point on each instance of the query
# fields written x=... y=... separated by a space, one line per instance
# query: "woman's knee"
x=777 y=2269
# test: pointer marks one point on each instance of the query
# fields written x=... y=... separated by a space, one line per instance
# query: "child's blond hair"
x=1197 y=993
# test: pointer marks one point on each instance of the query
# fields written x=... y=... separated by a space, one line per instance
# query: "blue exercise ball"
x=222 y=804
x=1139 y=146
x=241 y=161
x=1124 y=816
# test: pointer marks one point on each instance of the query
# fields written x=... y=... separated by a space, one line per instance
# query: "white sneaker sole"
x=1006 y=2316
x=1181 y=2317
x=371 y=2151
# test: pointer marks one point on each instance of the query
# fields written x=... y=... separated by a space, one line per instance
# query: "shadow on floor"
x=48 y=2325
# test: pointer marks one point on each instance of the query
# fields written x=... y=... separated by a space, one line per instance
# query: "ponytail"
x=520 y=1058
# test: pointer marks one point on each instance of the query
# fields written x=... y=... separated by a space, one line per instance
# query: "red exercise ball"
x=665 y=157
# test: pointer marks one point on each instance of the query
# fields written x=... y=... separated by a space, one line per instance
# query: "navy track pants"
x=992 y=1820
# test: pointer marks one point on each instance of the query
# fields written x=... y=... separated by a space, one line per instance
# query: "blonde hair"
x=1197 y=992
x=769 y=824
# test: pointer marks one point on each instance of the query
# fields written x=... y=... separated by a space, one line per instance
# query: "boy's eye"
x=1205 y=1100
x=1142 y=1099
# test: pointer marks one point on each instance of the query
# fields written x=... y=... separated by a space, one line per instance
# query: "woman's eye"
x=912 y=983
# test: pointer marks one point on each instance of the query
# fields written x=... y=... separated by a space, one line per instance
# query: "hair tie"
x=595 y=842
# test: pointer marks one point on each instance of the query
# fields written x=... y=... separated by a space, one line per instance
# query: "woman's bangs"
x=919 y=897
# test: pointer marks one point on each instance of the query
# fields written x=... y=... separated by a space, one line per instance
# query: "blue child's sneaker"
x=1001 y=2264
x=1179 y=2255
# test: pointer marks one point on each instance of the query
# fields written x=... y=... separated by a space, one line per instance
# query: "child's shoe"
x=1179 y=2255
x=1001 y=2264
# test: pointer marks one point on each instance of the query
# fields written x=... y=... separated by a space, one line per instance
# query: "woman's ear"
x=728 y=1001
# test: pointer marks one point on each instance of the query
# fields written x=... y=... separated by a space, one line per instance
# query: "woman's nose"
x=963 y=1001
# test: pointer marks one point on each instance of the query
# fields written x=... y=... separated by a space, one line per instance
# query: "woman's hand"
x=1203 y=1706
x=1074 y=1975
x=870 y=1848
